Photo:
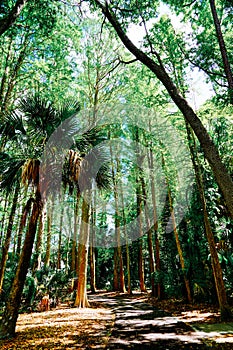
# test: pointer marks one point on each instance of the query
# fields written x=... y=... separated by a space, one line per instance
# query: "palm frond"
x=10 y=171
x=41 y=114
x=12 y=125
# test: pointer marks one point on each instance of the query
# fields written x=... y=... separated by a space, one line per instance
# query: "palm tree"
x=29 y=136
x=82 y=173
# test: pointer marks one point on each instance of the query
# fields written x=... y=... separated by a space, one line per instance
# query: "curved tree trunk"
x=9 y=318
x=220 y=172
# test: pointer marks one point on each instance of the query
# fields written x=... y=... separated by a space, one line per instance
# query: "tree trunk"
x=6 y=203
x=6 y=22
x=119 y=279
x=22 y=225
x=49 y=233
x=177 y=239
x=9 y=318
x=8 y=236
x=223 y=178
x=149 y=237
x=40 y=232
x=74 y=242
x=223 y=50
x=92 y=245
x=81 y=296
x=129 y=289
x=217 y=270
x=141 y=274
x=60 y=233
x=155 y=219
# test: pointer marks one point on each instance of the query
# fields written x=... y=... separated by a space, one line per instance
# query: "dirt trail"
x=141 y=326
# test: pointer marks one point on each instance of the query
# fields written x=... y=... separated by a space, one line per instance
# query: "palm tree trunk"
x=9 y=318
x=74 y=243
x=81 y=296
x=8 y=236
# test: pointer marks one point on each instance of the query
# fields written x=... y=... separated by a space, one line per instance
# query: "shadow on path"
x=141 y=326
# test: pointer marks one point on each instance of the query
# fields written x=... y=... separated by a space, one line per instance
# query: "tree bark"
x=223 y=50
x=217 y=270
x=22 y=225
x=220 y=172
x=177 y=239
x=60 y=233
x=74 y=242
x=92 y=245
x=141 y=274
x=8 y=236
x=38 y=245
x=119 y=279
x=155 y=219
x=81 y=296
x=9 y=318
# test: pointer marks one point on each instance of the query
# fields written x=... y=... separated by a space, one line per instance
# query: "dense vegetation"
x=109 y=178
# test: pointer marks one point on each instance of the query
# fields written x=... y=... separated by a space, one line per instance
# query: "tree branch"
x=6 y=22
x=211 y=153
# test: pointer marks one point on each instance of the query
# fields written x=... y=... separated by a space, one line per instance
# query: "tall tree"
x=221 y=174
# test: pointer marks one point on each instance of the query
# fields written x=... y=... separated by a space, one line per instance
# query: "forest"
x=116 y=161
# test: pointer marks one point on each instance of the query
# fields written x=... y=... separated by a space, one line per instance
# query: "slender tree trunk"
x=60 y=233
x=81 y=296
x=40 y=233
x=8 y=236
x=14 y=75
x=3 y=219
x=49 y=233
x=217 y=270
x=223 y=50
x=177 y=239
x=9 y=318
x=92 y=245
x=119 y=279
x=5 y=75
x=129 y=289
x=149 y=236
x=220 y=172
x=141 y=274
x=74 y=243
x=155 y=219
x=26 y=211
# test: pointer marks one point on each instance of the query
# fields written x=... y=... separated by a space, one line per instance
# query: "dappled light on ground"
x=65 y=328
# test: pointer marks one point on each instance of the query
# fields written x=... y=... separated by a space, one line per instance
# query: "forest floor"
x=117 y=321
